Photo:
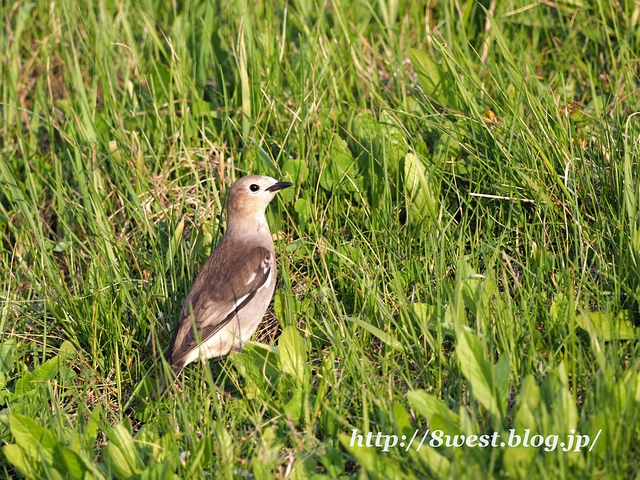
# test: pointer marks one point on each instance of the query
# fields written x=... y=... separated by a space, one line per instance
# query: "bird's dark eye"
x=254 y=188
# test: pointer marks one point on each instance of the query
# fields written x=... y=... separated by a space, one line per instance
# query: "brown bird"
x=234 y=287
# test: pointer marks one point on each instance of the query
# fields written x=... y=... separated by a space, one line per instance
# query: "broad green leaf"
x=630 y=186
x=7 y=349
x=565 y=411
x=429 y=74
x=477 y=370
x=265 y=358
x=36 y=441
x=327 y=180
x=45 y=372
x=468 y=281
x=250 y=364
x=120 y=453
x=329 y=424
x=19 y=459
x=402 y=420
x=326 y=376
x=431 y=407
x=436 y=82
x=93 y=424
x=260 y=470
x=528 y=404
x=303 y=209
x=263 y=350
x=423 y=204
x=423 y=311
x=556 y=395
x=478 y=294
x=160 y=471
x=174 y=244
x=341 y=173
x=333 y=461
x=529 y=415
x=345 y=168
x=376 y=463
x=448 y=148
x=201 y=451
x=501 y=373
x=295 y=406
x=609 y=327
x=341 y=168
x=293 y=355
x=455 y=312
x=366 y=131
x=223 y=447
x=518 y=459
x=339 y=146
x=280 y=303
x=394 y=143
x=438 y=464
x=376 y=332
x=67 y=351
x=160 y=82
x=40 y=375
x=72 y=466
x=294 y=171
x=559 y=310
x=368 y=149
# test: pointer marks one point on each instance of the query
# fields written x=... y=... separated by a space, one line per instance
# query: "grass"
x=460 y=252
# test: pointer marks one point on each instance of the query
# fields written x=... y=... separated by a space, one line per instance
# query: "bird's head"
x=249 y=196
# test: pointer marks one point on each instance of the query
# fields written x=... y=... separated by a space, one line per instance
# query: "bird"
x=234 y=287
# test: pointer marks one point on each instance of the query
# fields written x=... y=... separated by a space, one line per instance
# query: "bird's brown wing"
x=226 y=283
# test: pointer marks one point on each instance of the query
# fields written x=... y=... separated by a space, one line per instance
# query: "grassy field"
x=460 y=255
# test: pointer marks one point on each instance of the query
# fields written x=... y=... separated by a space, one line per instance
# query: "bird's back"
x=226 y=303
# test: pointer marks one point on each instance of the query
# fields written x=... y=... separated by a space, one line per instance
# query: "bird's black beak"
x=279 y=186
